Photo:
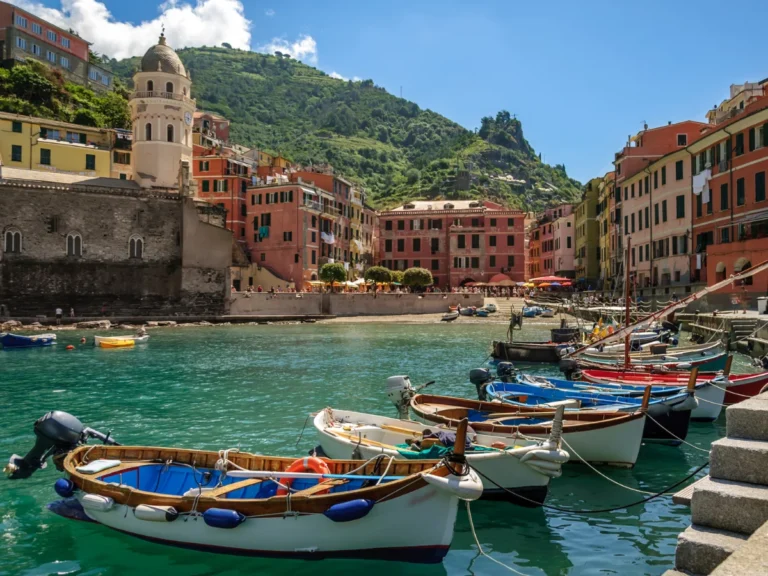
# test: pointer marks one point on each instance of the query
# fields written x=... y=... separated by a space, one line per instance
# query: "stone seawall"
x=347 y=304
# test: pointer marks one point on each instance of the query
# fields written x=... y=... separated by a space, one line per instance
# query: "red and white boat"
x=740 y=386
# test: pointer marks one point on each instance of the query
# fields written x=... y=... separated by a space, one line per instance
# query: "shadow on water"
x=252 y=387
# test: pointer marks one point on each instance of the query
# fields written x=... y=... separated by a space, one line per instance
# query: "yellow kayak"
x=117 y=343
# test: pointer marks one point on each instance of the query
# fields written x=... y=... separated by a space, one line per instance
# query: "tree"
x=417 y=277
x=397 y=276
x=378 y=274
x=333 y=273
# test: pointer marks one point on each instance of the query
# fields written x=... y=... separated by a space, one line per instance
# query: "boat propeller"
x=55 y=433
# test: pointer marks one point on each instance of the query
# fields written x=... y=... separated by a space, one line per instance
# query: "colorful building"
x=26 y=36
x=547 y=260
x=605 y=227
x=587 y=255
x=730 y=212
x=534 y=251
x=459 y=241
x=564 y=245
x=49 y=145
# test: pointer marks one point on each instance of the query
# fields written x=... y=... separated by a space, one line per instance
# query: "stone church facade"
x=125 y=247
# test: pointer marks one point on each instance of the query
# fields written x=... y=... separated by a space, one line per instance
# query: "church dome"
x=162 y=58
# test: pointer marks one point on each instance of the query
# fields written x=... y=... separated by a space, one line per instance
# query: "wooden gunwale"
x=450 y=410
x=276 y=505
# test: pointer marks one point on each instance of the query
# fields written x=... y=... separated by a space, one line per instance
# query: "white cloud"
x=304 y=48
x=270 y=12
x=206 y=23
x=340 y=77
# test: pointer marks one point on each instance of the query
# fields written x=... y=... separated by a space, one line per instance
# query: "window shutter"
x=717 y=154
x=728 y=145
x=765 y=134
x=751 y=139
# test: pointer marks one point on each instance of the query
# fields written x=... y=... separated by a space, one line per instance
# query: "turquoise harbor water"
x=252 y=387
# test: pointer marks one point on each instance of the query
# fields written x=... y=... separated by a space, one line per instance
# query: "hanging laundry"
x=705 y=195
x=700 y=181
x=698 y=261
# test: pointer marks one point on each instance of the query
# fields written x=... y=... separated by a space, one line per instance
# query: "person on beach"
x=71 y=312
x=58 y=315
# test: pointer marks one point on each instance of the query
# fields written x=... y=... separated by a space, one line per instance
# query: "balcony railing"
x=166 y=95
x=312 y=205
x=331 y=211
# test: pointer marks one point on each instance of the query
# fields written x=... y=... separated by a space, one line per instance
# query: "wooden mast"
x=626 y=305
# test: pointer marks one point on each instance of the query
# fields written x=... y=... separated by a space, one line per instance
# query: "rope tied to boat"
x=674 y=436
x=480 y=550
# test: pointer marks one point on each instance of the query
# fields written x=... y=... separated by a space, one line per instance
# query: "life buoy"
x=307 y=464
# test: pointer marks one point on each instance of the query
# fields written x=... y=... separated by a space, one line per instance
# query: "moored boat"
x=482 y=312
x=11 y=340
x=668 y=415
x=450 y=317
x=544 y=352
x=612 y=438
x=547 y=313
x=343 y=434
x=246 y=504
x=119 y=341
x=491 y=307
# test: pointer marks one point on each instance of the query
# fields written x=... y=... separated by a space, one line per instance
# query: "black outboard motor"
x=505 y=371
x=480 y=377
x=569 y=367
x=56 y=433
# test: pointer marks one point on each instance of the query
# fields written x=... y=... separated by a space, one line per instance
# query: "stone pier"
x=729 y=507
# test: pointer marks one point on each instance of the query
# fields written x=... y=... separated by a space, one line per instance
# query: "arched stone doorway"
x=720 y=272
x=741 y=265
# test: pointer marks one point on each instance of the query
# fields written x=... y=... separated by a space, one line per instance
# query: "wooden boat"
x=710 y=392
x=706 y=357
x=450 y=317
x=531 y=311
x=669 y=413
x=468 y=311
x=564 y=334
x=544 y=352
x=612 y=438
x=239 y=503
x=706 y=364
x=693 y=351
x=11 y=340
x=482 y=312
x=343 y=435
x=119 y=341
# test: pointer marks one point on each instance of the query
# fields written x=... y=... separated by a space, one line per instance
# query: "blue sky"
x=581 y=76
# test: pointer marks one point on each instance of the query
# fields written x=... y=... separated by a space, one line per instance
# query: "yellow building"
x=604 y=226
x=53 y=146
x=586 y=258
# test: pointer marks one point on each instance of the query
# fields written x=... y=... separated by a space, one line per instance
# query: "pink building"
x=565 y=245
x=548 y=263
x=459 y=241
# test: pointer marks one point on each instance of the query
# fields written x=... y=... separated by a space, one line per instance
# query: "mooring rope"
x=598 y=511
x=480 y=548
x=677 y=437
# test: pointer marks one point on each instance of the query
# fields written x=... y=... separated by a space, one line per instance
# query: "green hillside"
x=387 y=144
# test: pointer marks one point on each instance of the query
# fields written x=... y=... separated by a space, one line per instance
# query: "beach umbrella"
x=567 y=284
x=506 y=282
x=500 y=278
x=555 y=284
x=529 y=285
x=544 y=285
x=549 y=279
x=523 y=284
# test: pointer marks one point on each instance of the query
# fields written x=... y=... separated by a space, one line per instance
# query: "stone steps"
x=748 y=419
x=731 y=503
x=727 y=505
x=700 y=550
x=739 y=460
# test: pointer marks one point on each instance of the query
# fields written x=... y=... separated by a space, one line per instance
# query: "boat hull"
x=9 y=340
x=515 y=478
x=616 y=443
x=534 y=352
x=395 y=526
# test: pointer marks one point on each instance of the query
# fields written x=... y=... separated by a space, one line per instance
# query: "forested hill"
x=395 y=149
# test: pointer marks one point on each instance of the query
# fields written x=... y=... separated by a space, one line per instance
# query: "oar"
x=268 y=474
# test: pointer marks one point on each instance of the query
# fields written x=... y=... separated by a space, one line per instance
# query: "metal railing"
x=312 y=205
x=157 y=94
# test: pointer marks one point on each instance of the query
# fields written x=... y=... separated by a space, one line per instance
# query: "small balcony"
x=312 y=205
x=165 y=95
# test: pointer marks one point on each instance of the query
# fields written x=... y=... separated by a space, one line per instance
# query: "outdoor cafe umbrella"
x=549 y=279
x=544 y=285
x=555 y=284
x=567 y=284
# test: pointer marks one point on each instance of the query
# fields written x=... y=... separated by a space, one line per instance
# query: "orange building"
x=730 y=213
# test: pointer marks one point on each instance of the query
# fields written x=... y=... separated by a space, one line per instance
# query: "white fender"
x=551 y=473
x=689 y=403
x=97 y=503
x=154 y=513
x=467 y=487
x=560 y=456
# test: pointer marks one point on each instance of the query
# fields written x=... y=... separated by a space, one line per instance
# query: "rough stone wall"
x=42 y=277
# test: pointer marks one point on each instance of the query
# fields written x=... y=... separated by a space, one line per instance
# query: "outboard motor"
x=56 y=433
x=505 y=371
x=480 y=377
x=569 y=367
x=400 y=391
